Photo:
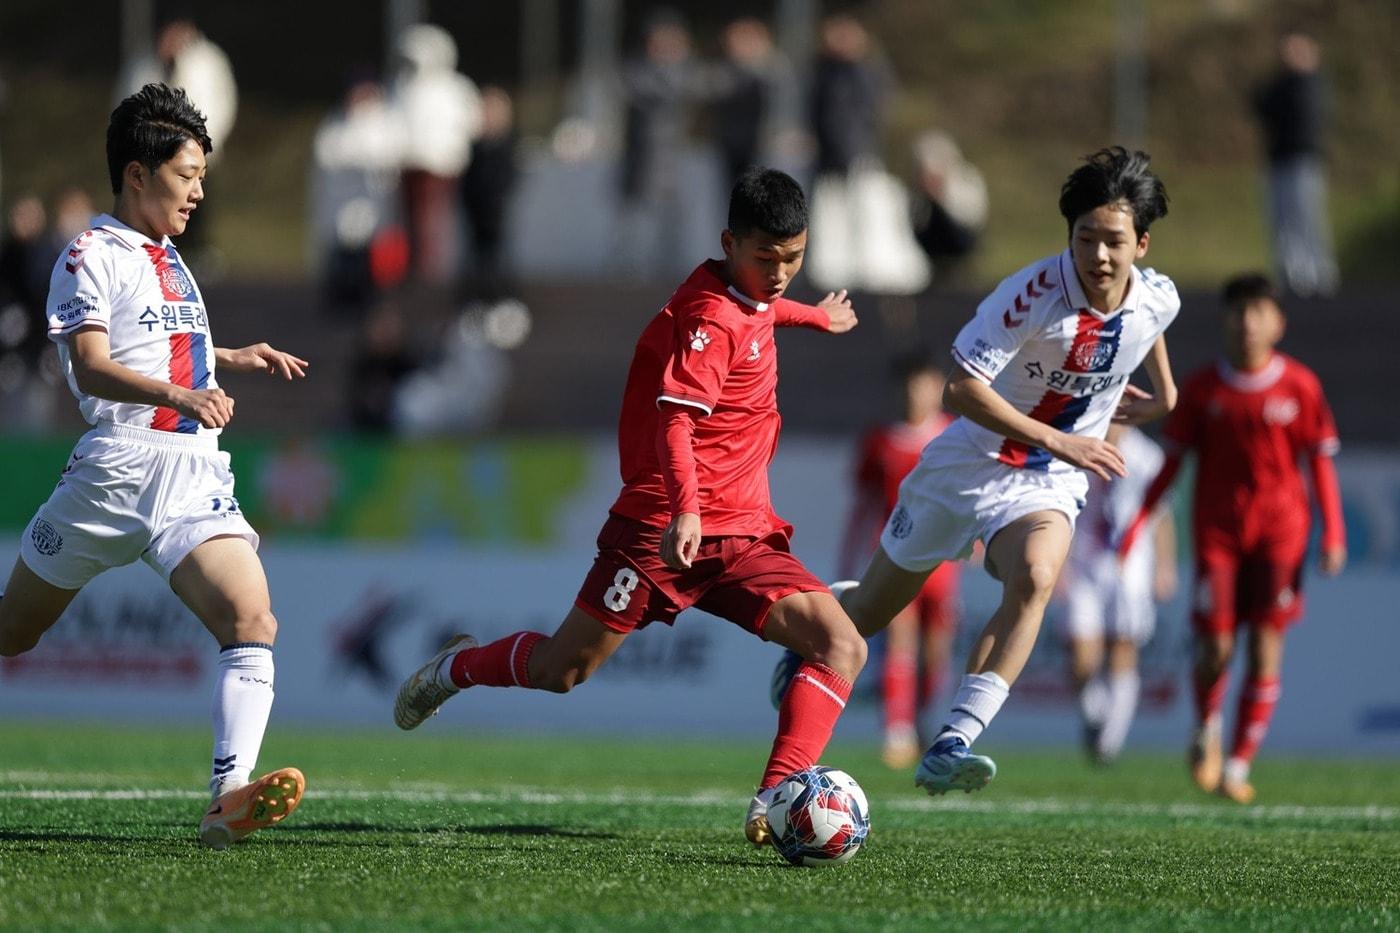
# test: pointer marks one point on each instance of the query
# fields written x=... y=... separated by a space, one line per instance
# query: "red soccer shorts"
x=1260 y=586
x=937 y=602
x=735 y=578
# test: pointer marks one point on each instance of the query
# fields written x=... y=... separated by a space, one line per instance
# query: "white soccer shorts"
x=957 y=495
x=131 y=493
x=1106 y=599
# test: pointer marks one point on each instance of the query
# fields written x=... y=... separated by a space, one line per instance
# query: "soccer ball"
x=819 y=817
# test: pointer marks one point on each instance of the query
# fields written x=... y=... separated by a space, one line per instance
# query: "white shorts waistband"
x=153 y=438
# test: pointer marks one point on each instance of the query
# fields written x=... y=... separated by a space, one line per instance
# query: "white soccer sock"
x=977 y=701
x=1094 y=701
x=242 y=703
x=1236 y=770
x=1122 y=704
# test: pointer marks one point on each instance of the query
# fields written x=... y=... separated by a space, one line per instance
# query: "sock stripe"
x=245 y=644
x=515 y=671
x=822 y=687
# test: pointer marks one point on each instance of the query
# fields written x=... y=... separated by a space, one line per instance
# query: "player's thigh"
x=1027 y=554
x=222 y=582
x=1216 y=598
x=813 y=624
x=570 y=656
x=1085 y=657
x=885 y=590
x=29 y=608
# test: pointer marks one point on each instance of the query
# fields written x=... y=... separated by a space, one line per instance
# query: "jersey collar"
x=711 y=268
x=1262 y=378
x=128 y=235
x=1074 y=290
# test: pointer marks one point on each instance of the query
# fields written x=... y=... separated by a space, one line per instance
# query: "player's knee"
x=842 y=649
x=563 y=677
x=260 y=626
x=1035 y=583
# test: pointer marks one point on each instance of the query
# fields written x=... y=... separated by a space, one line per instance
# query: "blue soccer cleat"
x=950 y=765
x=783 y=675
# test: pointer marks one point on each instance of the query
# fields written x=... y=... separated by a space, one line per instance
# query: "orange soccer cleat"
x=268 y=800
x=1238 y=791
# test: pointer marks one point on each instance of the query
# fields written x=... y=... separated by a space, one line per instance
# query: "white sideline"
x=715 y=798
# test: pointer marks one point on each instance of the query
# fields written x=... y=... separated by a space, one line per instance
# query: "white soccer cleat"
x=421 y=696
x=949 y=765
x=756 y=827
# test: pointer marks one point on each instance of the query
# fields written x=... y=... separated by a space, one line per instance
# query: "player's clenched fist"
x=681 y=541
x=210 y=407
x=840 y=316
x=1090 y=453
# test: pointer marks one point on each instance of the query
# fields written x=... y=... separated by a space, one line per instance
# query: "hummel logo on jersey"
x=699 y=339
x=753 y=350
x=1280 y=411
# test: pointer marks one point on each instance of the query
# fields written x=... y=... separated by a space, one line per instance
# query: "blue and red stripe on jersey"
x=189 y=367
x=1093 y=350
x=175 y=282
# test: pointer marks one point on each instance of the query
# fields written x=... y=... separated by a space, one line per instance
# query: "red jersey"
x=1248 y=431
x=710 y=349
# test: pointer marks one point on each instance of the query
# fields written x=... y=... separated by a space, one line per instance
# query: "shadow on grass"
x=509 y=829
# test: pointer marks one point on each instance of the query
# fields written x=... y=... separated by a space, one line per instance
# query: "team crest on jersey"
x=699 y=339
x=901 y=523
x=46 y=538
x=753 y=350
x=1091 y=357
x=1280 y=411
x=175 y=283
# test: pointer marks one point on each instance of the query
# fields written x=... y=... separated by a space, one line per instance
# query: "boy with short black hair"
x=694 y=524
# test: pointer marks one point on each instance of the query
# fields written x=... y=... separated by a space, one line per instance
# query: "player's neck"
x=1250 y=362
x=126 y=212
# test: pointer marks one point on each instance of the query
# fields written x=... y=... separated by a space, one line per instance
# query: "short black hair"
x=768 y=200
x=149 y=127
x=910 y=363
x=1112 y=175
x=1249 y=286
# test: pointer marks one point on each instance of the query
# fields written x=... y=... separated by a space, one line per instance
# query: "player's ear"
x=1142 y=244
x=134 y=175
x=726 y=242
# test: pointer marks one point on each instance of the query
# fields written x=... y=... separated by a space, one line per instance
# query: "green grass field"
x=447 y=830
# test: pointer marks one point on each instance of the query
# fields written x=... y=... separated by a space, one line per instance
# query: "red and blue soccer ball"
x=819 y=817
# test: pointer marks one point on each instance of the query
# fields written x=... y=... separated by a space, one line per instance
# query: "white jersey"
x=140 y=292
x=1037 y=341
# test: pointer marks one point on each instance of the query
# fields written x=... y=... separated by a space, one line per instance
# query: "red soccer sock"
x=1257 y=703
x=503 y=663
x=929 y=685
x=897 y=684
x=809 y=712
x=1210 y=696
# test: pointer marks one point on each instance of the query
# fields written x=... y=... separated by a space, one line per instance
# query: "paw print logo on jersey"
x=699 y=339
x=753 y=350
x=1280 y=411
x=901 y=524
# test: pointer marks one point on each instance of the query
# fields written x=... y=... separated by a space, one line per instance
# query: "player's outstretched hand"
x=840 y=316
x=210 y=407
x=1090 y=453
x=262 y=358
x=681 y=541
x=1138 y=407
x=1332 y=560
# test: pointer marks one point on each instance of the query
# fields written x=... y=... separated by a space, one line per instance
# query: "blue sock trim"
x=245 y=644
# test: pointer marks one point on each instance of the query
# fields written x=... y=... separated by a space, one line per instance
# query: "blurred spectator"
x=486 y=190
x=441 y=113
x=382 y=361
x=73 y=211
x=28 y=365
x=1292 y=111
x=861 y=236
x=661 y=88
x=850 y=89
x=950 y=202
x=358 y=243
x=744 y=88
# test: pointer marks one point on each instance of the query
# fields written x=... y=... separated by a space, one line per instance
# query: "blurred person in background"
x=950 y=203
x=28 y=370
x=1292 y=108
x=1249 y=419
x=861 y=234
x=742 y=93
x=487 y=187
x=1110 y=605
x=918 y=643
x=383 y=359
x=355 y=226
x=148 y=481
x=440 y=112
x=660 y=88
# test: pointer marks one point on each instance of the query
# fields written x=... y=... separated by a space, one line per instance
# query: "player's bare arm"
x=972 y=398
x=1139 y=407
x=840 y=316
x=99 y=375
x=261 y=358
